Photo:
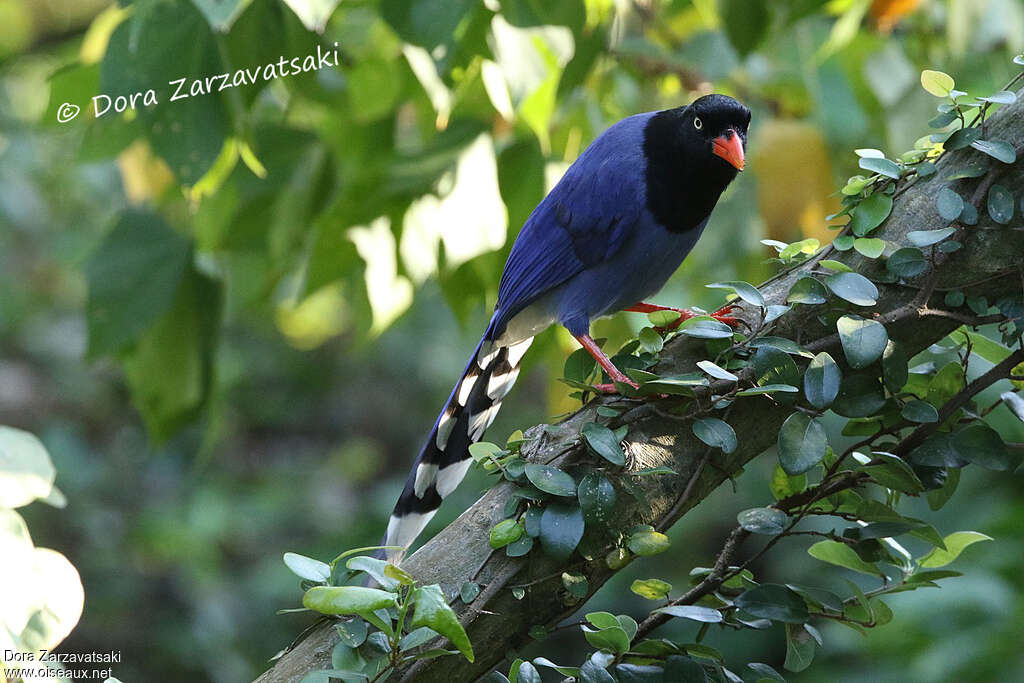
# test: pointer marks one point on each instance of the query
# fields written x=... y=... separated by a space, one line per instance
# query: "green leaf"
x=427 y=23
x=715 y=433
x=842 y=555
x=765 y=673
x=890 y=169
x=133 y=276
x=705 y=615
x=302 y=566
x=1000 y=204
x=469 y=591
x=519 y=547
x=352 y=632
x=863 y=340
x=603 y=442
x=921 y=412
x=871 y=247
x=432 y=610
x=611 y=639
x=767 y=521
x=860 y=395
x=802 y=443
x=982 y=346
x=597 y=498
x=648 y=542
x=705 y=327
x=959 y=139
x=949 y=203
x=347 y=599
x=650 y=340
x=775 y=602
x=925 y=238
x=807 y=290
x=550 y=480
x=504 y=532
x=799 y=648
x=26 y=471
x=746 y=24
x=997 y=149
x=773 y=366
x=937 y=83
x=662 y=318
x=783 y=485
x=955 y=544
x=980 y=444
x=578 y=365
x=561 y=528
x=853 y=287
x=871 y=212
x=821 y=381
x=744 y=290
x=651 y=589
x=907 y=262
x=769 y=389
x=1000 y=97
x=170 y=368
x=715 y=371
x=375 y=567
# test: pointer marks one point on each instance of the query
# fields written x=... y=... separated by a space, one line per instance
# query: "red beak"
x=729 y=147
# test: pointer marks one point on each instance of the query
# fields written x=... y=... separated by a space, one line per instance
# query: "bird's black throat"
x=684 y=180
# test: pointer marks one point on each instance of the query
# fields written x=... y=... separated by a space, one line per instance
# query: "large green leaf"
x=347 y=599
x=775 y=602
x=133 y=276
x=853 y=287
x=170 y=369
x=871 y=212
x=863 y=340
x=603 y=442
x=160 y=45
x=956 y=543
x=715 y=433
x=561 y=528
x=842 y=555
x=427 y=23
x=821 y=381
x=550 y=480
x=597 y=498
x=802 y=443
x=432 y=610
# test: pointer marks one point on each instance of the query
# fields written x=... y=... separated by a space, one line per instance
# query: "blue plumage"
x=607 y=236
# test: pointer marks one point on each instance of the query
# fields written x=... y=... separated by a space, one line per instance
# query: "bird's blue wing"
x=582 y=222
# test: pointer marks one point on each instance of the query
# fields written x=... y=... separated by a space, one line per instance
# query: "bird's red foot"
x=611 y=389
x=722 y=316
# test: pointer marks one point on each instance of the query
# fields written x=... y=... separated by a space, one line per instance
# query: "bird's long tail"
x=444 y=459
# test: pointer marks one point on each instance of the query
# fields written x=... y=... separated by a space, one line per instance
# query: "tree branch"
x=915 y=317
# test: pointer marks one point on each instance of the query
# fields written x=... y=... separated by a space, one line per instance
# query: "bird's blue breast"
x=591 y=247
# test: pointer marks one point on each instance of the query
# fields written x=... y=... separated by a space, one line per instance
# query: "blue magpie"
x=607 y=236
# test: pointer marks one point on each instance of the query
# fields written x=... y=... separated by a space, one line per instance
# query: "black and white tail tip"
x=443 y=462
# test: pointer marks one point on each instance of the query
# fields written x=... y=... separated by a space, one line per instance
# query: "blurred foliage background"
x=232 y=317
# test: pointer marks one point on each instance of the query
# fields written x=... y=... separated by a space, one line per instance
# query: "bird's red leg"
x=606 y=364
x=721 y=315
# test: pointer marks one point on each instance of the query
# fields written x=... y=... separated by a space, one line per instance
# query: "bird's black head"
x=693 y=153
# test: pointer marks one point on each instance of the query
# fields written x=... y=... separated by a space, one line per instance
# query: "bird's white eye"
x=697 y=123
